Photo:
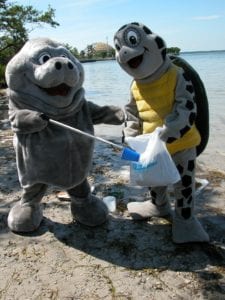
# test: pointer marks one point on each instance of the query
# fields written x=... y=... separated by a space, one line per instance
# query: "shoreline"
x=86 y=60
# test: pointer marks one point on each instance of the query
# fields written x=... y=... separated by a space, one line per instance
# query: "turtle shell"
x=202 y=119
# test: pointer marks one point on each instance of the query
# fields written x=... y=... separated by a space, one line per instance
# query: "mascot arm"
x=108 y=114
x=132 y=121
x=183 y=114
x=25 y=121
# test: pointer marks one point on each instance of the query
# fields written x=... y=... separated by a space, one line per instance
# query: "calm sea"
x=106 y=83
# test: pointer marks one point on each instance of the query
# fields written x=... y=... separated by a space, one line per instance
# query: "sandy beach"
x=121 y=259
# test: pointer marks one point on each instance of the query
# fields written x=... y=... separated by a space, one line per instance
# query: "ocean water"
x=106 y=83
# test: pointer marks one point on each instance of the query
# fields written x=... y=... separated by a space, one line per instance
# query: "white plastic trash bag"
x=155 y=166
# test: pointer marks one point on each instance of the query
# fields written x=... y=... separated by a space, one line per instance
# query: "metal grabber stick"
x=127 y=153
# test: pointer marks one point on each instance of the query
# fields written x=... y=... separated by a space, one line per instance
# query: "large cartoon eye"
x=43 y=58
x=132 y=37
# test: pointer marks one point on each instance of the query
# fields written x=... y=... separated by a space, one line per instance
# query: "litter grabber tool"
x=126 y=154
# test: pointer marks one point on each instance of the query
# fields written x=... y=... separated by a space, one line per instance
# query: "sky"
x=191 y=25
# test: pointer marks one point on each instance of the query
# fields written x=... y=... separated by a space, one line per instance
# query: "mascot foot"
x=91 y=212
x=146 y=209
x=25 y=217
x=187 y=231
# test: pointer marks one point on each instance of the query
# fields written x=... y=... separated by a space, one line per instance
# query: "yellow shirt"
x=155 y=101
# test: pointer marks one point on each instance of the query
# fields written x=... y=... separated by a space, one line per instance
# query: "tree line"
x=14 y=31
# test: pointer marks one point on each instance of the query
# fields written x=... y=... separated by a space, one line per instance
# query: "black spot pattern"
x=189 y=200
x=187 y=192
x=153 y=194
x=163 y=53
x=189 y=104
x=192 y=118
x=159 y=42
x=170 y=140
x=184 y=130
x=191 y=165
x=180 y=202
x=186 y=180
x=135 y=23
x=186 y=76
x=189 y=88
x=121 y=28
x=186 y=212
x=180 y=169
x=147 y=30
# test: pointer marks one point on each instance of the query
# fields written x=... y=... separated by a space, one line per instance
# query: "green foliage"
x=82 y=54
x=73 y=50
x=173 y=50
x=14 y=21
x=90 y=51
x=2 y=75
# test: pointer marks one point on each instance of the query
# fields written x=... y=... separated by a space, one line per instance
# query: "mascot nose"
x=124 y=54
x=58 y=65
x=70 y=65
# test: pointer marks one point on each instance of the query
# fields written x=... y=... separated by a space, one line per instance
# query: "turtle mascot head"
x=139 y=51
x=142 y=54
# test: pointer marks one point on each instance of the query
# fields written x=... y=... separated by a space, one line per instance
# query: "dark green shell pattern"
x=202 y=119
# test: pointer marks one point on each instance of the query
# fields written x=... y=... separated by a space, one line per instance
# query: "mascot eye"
x=132 y=38
x=64 y=55
x=43 y=58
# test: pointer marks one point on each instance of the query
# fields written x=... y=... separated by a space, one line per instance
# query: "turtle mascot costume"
x=45 y=81
x=166 y=92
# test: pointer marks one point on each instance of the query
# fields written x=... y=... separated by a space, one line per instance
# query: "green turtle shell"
x=202 y=119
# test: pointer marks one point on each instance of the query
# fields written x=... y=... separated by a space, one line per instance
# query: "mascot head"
x=139 y=51
x=46 y=70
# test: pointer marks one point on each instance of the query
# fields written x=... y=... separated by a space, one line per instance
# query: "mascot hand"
x=44 y=117
x=161 y=131
x=27 y=121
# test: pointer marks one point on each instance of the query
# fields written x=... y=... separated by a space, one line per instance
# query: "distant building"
x=99 y=50
x=102 y=47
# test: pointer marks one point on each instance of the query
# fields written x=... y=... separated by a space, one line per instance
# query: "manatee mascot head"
x=47 y=71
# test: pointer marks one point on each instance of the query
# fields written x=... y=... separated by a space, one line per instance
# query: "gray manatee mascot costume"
x=163 y=95
x=45 y=81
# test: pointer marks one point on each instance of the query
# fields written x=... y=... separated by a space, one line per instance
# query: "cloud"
x=207 y=18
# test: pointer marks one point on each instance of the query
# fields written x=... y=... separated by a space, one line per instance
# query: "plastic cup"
x=129 y=154
x=110 y=202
